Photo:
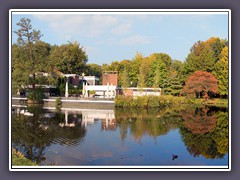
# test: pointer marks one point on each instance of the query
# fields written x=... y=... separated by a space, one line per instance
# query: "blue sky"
x=114 y=37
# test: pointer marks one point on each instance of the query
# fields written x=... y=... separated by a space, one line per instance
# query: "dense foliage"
x=69 y=58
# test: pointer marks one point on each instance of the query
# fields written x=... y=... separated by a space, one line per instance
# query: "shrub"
x=135 y=103
x=36 y=96
x=127 y=101
x=92 y=92
x=58 y=103
x=143 y=101
x=153 y=101
x=167 y=100
x=119 y=101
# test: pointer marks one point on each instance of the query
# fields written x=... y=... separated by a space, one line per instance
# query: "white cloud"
x=49 y=18
x=99 y=24
x=80 y=25
x=124 y=28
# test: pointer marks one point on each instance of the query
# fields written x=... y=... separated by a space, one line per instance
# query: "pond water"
x=160 y=137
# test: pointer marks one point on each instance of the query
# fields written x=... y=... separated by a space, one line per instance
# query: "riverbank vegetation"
x=165 y=101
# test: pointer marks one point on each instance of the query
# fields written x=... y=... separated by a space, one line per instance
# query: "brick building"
x=110 y=77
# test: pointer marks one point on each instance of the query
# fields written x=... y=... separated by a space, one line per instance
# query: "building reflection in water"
x=81 y=116
x=89 y=116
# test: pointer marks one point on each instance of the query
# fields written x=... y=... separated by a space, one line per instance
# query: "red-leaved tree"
x=200 y=84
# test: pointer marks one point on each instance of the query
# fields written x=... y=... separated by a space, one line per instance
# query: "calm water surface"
x=198 y=136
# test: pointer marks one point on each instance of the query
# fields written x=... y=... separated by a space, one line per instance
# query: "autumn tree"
x=217 y=45
x=200 y=84
x=221 y=72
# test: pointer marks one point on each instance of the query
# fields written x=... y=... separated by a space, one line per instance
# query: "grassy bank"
x=18 y=159
x=165 y=101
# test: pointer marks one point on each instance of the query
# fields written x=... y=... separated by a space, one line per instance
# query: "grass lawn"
x=18 y=159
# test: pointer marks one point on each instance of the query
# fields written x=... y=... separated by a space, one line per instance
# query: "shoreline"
x=125 y=102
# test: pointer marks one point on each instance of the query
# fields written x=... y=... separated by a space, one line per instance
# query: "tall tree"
x=134 y=69
x=157 y=73
x=125 y=78
x=27 y=39
x=141 y=77
x=174 y=81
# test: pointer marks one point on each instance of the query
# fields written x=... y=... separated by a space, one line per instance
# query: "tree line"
x=204 y=73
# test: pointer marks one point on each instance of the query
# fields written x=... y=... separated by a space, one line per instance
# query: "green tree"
x=156 y=78
x=221 y=72
x=174 y=81
x=125 y=79
x=157 y=74
x=141 y=77
x=173 y=86
x=165 y=58
x=45 y=65
x=94 y=70
x=203 y=56
x=69 y=58
x=20 y=75
x=26 y=58
x=134 y=69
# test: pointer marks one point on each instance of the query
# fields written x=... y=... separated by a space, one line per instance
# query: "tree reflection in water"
x=153 y=122
x=33 y=134
x=205 y=131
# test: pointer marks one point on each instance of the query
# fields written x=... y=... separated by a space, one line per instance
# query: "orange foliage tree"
x=200 y=83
